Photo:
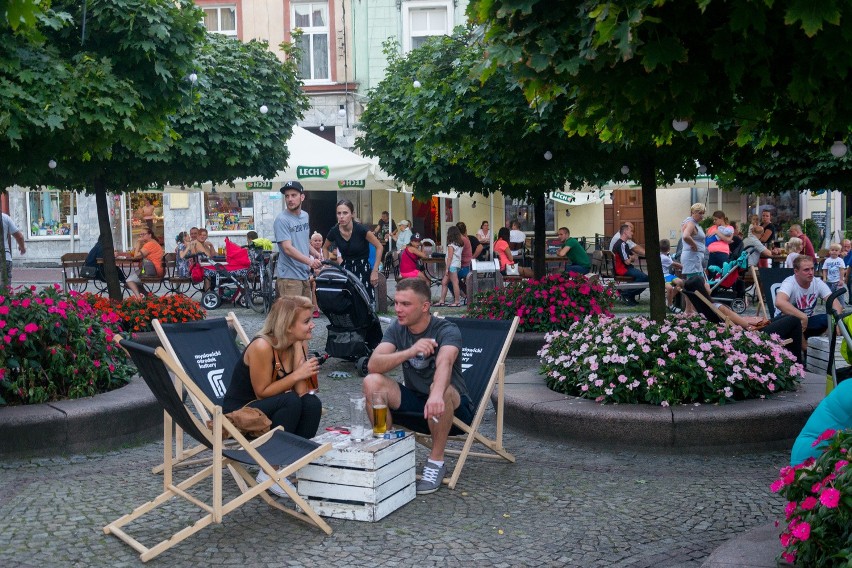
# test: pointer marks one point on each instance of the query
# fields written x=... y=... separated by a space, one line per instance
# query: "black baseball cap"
x=292 y=185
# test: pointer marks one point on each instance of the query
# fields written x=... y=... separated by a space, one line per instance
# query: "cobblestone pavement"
x=561 y=504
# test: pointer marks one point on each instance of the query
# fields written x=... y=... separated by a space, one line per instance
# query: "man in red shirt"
x=152 y=261
x=808 y=248
x=625 y=257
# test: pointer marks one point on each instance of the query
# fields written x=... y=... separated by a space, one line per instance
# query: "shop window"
x=145 y=210
x=312 y=19
x=523 y=212
x=229 y=211
x=48 y=214
x=221 y=19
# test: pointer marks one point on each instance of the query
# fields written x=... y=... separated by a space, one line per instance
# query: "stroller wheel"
x=739 y=305
x=211 y=300
x=361 y=365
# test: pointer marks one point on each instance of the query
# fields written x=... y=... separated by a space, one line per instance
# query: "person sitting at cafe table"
x=201 y=245
x=409 y=258
x=578 y=259
x=152 y=261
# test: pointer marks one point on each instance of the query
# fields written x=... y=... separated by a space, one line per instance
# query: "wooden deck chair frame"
x=250 y=452
x=708 y=305
x=183 y=457
x=471 y=434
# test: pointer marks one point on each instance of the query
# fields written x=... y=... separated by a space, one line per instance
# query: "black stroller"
x=354 y=329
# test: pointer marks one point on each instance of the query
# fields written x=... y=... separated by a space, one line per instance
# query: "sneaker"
x=430 y=480
x=274 y=489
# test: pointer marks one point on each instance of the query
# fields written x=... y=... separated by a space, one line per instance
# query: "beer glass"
x=380 y=412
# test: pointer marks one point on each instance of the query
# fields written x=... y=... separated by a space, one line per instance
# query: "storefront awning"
x=579 y=197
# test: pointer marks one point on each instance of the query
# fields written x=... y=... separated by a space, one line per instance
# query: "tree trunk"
x=3 y=281
x=657 y=286
x=110 y=269
x=539 y=246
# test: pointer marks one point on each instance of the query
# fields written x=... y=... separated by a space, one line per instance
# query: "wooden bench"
x=176 y=284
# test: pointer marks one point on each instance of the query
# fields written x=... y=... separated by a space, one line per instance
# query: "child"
x=833 y=268
x=454 y=251
x=794 y=247
x=673 y=283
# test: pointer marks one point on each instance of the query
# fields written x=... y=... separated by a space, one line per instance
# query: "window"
x=312 y=19
x=221 y=19
x=523 y=212
x=229 y=211
x=48 y=213
x=145 y=211
x=422 y=20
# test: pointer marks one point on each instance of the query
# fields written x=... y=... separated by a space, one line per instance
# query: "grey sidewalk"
x=560 y=505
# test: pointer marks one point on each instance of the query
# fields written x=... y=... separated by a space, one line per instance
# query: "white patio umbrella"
x=319 y=165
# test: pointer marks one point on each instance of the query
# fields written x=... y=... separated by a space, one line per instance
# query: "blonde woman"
x=274 y=374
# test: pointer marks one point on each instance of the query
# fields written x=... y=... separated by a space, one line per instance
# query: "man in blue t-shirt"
x=292 y=233
x=428 y=349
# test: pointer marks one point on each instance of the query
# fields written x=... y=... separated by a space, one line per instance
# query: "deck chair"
x=770 y=280
x=485 y=345
x=707 y=310
x=207 y=351
x=277 y=447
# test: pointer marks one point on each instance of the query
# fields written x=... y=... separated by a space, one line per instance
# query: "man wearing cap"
x=292 y=235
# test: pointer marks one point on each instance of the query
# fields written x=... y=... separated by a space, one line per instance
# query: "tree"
x=434 y=125
x=629 y=72
x=180 y=107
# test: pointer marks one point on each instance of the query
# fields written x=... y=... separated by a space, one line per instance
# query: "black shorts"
x=413 y=401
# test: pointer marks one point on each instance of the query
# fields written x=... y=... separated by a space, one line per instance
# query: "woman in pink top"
x=720 y=246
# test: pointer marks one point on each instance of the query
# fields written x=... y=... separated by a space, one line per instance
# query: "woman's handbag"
x=512 y=270
x=250 y=421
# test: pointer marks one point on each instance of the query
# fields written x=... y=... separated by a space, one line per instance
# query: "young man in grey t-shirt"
x=428 y=349
x=292 y=233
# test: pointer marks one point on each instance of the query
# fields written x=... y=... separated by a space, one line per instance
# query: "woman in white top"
x=403 y=234
x=453 y=262
x=483 y=235
x=692 y=256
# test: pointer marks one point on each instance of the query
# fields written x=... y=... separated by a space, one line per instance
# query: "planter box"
x=361 y=481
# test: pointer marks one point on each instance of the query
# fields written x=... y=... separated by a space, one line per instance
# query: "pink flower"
x=802 y=531
x=22 y=337
x=809 y=503
x=840 y=465
x=777 y=485
x=830 y=497
x=31 y=328
x=789 y=556
x=824 y=436
x=4 y=310
x=789 y=509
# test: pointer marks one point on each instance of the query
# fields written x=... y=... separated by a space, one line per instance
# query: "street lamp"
x=52 y=164
x=548 y=155
x=264 y=109
x=680 y=125
x=625 y=169
x=838 y=149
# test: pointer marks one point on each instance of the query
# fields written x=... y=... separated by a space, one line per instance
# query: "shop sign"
x=303 y=172
x=258 y=185
x=562 y=197
x=350 y=183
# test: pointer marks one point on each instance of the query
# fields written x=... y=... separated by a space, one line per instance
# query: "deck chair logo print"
x=216 y=382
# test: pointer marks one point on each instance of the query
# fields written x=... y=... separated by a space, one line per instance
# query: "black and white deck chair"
x=208 y=351
x=278 y=453
x=485 y=344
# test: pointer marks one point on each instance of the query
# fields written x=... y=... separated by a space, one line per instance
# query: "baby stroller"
x=354 y=329
x=728 y=283
x=228 y=280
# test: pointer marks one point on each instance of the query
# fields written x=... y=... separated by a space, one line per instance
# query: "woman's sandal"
x=453 y=305
x=439 y=305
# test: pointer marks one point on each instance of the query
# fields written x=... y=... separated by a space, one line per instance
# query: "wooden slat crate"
x=818 y=355
x=361 y=481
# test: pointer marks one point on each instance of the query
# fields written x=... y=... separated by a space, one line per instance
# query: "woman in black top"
x=353 y=242
x=274 y=374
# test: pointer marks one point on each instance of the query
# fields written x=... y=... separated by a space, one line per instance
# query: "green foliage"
x=548 y=304
x=54 y=346
x=456 y=131
x=684 y=359
x=768 y=69
x=818 y=514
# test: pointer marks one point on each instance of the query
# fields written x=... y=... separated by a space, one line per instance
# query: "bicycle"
x=260 y=290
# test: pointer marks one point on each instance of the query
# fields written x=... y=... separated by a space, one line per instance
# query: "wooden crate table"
x=361 y=481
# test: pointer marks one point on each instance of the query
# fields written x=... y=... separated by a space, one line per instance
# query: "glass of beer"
x=380 y=412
